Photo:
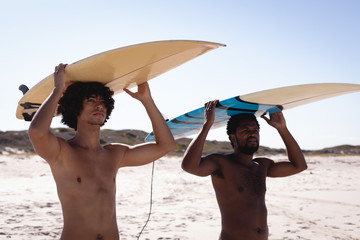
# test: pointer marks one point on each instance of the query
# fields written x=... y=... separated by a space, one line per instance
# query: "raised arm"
x=43 y=141
x=296 y=158
x=164 y=141
x=193 y=162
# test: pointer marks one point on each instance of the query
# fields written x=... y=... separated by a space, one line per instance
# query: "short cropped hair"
x=234 y=121
x=71 y=103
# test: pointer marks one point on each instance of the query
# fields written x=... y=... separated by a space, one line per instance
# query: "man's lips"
x=252 y=140
x=99 y=114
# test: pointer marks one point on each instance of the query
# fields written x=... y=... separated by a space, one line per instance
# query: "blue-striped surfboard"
x=258 y=103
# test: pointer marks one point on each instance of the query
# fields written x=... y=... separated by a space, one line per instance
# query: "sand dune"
x=320 y=203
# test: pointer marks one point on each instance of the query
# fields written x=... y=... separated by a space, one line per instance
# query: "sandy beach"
x=320 y=203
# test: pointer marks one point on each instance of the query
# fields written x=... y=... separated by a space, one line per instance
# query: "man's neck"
x=88 y=137
x=243 y=158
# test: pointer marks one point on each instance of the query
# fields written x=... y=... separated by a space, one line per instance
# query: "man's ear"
x=232 y=139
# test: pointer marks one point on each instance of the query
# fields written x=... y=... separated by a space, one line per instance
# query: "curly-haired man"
x=84 y=170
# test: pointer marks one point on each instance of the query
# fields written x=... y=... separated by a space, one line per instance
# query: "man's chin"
x=249 y=150
x=99 y=123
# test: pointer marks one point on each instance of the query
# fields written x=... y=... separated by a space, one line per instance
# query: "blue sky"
x=269 y=44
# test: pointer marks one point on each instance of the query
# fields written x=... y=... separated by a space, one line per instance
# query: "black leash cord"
x=151 y=193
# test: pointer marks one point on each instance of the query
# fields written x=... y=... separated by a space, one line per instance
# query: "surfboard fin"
x=23 y=88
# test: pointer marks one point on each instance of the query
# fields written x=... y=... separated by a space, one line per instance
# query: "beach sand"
x=320 y=203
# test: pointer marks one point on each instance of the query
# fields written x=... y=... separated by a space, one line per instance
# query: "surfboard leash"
x=151 y=193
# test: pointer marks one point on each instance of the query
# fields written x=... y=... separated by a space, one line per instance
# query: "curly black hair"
x=71 y=103
x=234 y=121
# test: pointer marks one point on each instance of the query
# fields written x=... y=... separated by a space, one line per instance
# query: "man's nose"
x=253 y=133
x=99 y=105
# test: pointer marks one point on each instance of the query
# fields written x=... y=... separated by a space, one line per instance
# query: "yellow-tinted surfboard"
x=118 y=69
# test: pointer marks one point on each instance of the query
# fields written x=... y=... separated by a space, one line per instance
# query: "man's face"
x=93 y=111
x=246 y=138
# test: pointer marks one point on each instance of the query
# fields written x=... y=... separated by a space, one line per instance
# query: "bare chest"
x=239 y=181
x=85 y=173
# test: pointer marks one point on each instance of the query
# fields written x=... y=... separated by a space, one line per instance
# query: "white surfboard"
x=258 y=103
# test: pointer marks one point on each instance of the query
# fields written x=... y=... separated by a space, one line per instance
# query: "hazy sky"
x=269 y=44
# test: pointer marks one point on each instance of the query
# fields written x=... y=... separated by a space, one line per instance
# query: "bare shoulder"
x=54 y=150
x=224 y=165
x=117 y=147
x=216 y=156
x=208 y=165
x=262 y=161
x=217 y=159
